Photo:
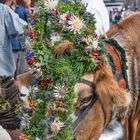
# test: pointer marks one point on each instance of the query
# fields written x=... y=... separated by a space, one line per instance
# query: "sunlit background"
x=133 y=4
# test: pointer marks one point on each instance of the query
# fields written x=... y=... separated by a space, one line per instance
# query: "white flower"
x=24 y=95
x=75 y=24
x=93 y=42
x=55 y=38
x=37 y=138
x=56 y=126
x=50 y=4
x=60 y=91
x=63 y=17
x=70 y=22
x=35 y=89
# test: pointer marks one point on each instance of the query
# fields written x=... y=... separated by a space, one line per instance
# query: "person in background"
x=117 y=17
x=2 y=1
x=26 y=4
x=128 y=12
x=10 y=25
x=122 y=12
x=19 y=49
x=20 y=10
x=111 y=17
x=136 y=9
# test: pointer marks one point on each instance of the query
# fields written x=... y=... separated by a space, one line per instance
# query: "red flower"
x=33 y=17
x=23 y=136
x=55 y=12
x=100 y=66
x=44 y=83
x=32 y=105
x=95 y=54
x=33 y=35
x=68 y=16
x=89 y=30
x=31 y=60
x=61 y=103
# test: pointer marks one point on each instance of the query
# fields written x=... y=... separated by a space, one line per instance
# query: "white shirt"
x=10 y=25
x=98 y=8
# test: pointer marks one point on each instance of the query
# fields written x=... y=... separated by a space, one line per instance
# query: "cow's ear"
x=108 y=90
x=113 y=30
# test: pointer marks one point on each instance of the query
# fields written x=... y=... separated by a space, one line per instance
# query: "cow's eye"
x=85 y=100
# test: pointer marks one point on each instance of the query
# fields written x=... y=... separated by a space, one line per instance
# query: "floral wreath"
x=48 y=108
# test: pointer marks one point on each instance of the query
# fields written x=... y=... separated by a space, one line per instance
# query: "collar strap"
x=89 y=83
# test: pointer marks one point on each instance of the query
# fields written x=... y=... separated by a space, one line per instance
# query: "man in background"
x=17 y=47
x=10 y=26
x=117 y=17
x=22 y=74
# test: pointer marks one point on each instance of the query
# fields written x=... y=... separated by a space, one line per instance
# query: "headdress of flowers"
x=51 y=98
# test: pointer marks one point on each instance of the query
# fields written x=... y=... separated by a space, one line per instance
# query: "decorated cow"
x=109 y=96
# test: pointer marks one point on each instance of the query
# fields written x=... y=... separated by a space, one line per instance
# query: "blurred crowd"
x=116 y=15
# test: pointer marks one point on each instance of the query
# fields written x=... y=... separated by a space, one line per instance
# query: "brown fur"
x=91 y=127
x=127 y=35
x=108 y=90
x=109 y=95
x=25 y=78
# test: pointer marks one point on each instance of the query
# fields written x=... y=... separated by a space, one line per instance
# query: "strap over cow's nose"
x=84 y=112
x=89 y=83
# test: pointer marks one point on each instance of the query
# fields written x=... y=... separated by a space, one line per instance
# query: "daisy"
x=75 y=24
